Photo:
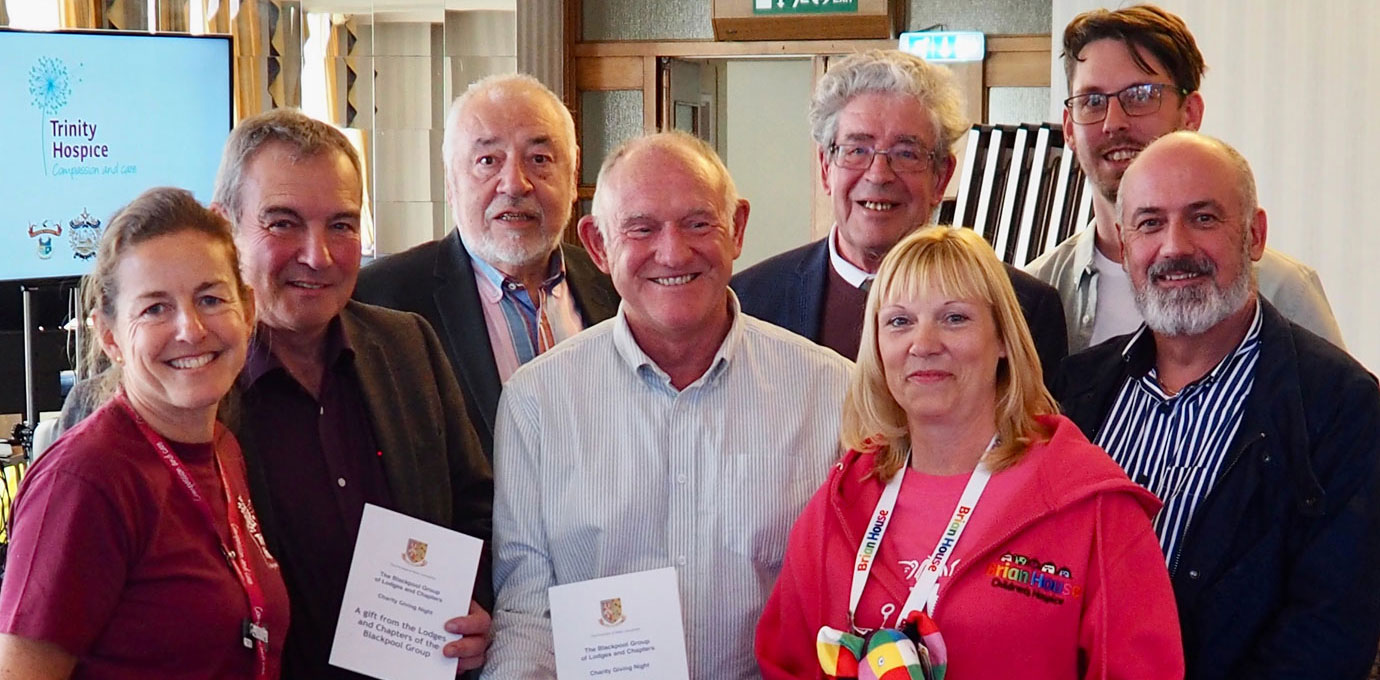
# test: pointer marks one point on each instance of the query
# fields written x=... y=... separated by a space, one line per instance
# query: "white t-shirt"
x=1116 y=312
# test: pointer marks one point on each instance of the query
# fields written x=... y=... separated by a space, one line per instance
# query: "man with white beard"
x=1261 y=439
x=501 y=288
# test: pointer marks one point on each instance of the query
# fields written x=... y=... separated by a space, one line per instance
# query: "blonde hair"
x=958 y=263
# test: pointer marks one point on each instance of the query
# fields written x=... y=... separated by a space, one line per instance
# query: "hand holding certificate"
x=627 y=627
x=407 y=578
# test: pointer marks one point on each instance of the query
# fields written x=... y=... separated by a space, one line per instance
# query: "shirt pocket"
x=759 y=501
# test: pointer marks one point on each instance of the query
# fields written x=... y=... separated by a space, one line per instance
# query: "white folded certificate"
x=407 y=578
x=626 y=627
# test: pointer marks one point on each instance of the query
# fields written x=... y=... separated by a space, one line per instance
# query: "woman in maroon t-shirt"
x=134 y=548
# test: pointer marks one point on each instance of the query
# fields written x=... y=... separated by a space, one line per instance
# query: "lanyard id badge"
x=915 y=643
x=253 y=633
x=925 y=594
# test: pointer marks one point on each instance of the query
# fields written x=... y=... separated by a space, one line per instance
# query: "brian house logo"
x=1044 y=581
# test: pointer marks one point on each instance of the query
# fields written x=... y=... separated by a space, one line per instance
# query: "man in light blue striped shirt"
x=1261 y=438
x=681 y=433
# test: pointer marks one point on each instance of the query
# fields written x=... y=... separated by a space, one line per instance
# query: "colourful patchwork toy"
x=915 y=651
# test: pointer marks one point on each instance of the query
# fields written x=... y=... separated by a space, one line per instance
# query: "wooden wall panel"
x=609 y=73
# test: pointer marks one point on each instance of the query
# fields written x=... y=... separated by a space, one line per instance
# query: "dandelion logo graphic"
x=50 y=88
x=48 y=85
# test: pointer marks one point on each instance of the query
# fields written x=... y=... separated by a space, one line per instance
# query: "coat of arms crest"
x=611 y=612
x=416 y=553
x=45 y=235
x=84 y=235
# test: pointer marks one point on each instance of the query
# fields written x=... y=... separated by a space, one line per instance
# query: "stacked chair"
x=1021 y=188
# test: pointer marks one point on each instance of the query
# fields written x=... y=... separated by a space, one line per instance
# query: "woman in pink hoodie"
x=970 y=532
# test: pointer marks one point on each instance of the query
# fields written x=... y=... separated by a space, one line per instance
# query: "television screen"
x=90 y=120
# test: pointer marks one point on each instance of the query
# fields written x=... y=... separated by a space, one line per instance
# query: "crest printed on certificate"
x=627 y=627
x=407 y=578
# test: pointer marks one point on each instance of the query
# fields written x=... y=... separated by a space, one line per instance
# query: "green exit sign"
x=803 y=6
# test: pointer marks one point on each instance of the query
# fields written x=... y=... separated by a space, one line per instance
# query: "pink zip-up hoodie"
x=1063 y=580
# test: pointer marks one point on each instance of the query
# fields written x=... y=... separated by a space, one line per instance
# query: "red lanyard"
x=253 y=632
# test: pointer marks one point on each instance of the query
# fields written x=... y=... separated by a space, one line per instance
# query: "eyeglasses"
x=1137 y=100
x=903 y=157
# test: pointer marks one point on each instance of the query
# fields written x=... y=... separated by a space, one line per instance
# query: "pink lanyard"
x=253 y=632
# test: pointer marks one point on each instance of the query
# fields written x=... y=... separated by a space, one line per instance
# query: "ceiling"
x=405 y=10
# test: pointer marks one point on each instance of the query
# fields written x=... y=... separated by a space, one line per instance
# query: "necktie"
x=545 y=338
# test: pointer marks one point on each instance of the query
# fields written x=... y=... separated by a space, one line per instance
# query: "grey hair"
x=1245 y=177
x=889 y=72
x=686 y=145
x=509 y=84
x=306 y=136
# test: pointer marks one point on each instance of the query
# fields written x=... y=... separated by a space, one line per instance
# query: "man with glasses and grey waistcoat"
x=885 y=123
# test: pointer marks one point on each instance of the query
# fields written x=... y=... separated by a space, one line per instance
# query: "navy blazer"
x=436 y=280
x=1279 y=573
x=788 y=290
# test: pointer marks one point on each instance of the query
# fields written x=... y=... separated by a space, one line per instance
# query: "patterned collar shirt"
x=519 y=327
x=1176 y=445
x=604 y=468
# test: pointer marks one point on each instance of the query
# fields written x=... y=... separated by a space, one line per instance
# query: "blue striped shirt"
x=603 y=468
x=520 y=313
x=1176 y=445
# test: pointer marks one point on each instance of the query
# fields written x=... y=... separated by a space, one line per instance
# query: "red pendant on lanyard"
x=252 y=630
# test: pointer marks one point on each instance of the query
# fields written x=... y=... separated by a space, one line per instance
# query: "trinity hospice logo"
x=251 y=524
x=72 y=146
x=49 y=86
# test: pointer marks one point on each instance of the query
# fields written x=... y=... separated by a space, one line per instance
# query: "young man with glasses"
x=884 y=122
x=1134 y=75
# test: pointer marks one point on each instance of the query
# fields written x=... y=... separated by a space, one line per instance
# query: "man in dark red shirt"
x=341 y=403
